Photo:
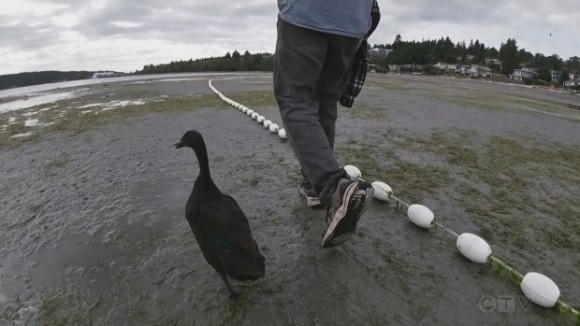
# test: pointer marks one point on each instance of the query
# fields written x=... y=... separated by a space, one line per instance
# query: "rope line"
x=401 y=206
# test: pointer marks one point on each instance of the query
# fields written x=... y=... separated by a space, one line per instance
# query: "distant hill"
x=41 y=77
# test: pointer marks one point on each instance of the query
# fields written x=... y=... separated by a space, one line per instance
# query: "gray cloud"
x=189 y=28
x=22 y=36
x=183 y=21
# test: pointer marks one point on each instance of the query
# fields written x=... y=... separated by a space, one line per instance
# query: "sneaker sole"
x=310 y=201
x=346 y=216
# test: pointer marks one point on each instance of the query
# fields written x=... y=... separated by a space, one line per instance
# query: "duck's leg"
x=233 y=293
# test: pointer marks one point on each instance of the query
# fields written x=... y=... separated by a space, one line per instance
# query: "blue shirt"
x=350 y=18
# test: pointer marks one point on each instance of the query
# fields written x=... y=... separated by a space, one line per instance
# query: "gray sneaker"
x=306 y=190
x=347 y=206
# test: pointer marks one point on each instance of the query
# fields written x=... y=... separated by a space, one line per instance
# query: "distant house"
x=394 y=67
x=440 y=65
x=405 y=68
x=379 y=52
x=479 y=71
x=412 y=67
x=450 y=67
x=555 y=75
x=573 y=81
x=494 y=61
x=524 y=73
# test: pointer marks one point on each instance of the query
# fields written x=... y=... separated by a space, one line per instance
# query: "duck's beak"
x=178 y=144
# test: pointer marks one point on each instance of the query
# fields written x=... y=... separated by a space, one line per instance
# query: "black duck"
x=220 y=227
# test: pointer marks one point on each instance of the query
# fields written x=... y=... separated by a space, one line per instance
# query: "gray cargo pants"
x=309 y=77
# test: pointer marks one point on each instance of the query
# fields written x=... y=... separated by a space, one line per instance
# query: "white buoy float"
x=353 y=172
x=255 y=116
x=420 y=215
x=249 y=112
x=473 y=248
x=260 y=119
x=245 y=109
x=267 y=123
x=540 y=289
x=382 y=191
x=274 y=128
x=282 y=134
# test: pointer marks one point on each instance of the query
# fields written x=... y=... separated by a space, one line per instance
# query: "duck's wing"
x=226 y=230
x=225 y=225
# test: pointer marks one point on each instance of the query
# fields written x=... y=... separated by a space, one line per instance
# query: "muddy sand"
x=93 y=195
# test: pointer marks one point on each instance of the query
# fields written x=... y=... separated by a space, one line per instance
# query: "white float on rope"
x=421 y=215
x=382 y=191
x=473 y=248
x=282 y=133
x=274 y=128
x=540 y=289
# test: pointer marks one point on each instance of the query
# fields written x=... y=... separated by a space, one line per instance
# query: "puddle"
x=126 y=103
x=91 y=105
x=33 y=101
x=120 y=104
x=111 y=105
x=25 y=134
x=31 y=122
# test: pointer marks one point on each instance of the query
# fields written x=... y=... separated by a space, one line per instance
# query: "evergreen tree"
x=508 y=54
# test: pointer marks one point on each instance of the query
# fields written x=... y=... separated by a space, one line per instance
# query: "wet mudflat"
x=93 y=195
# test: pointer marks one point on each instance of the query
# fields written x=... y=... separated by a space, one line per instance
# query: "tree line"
x=229 y=62
x=430 y=52
x=41 y=77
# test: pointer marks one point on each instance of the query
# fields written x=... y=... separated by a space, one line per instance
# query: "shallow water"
x=21 y=91
x=34 y=101
x=96 y=229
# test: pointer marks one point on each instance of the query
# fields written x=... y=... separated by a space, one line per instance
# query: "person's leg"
x=332 y=82
x=347 y=200
x=329 y=88
x=304 y=60
x=298 y=62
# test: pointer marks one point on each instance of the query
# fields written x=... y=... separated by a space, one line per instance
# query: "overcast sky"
x=124 y=35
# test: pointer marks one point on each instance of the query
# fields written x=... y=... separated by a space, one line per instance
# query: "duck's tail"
x=249 y=267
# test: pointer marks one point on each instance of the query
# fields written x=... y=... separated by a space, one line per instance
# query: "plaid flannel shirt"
x=359 y=66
